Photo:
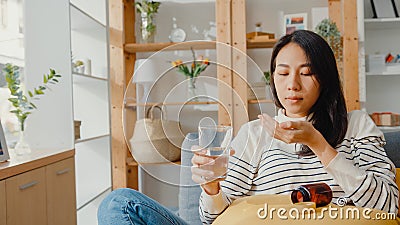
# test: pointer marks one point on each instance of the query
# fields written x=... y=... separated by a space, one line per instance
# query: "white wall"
x=47 y=45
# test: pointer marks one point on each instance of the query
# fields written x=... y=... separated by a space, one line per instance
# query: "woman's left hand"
x=302 y=132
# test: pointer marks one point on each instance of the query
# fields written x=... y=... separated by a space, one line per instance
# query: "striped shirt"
x=361 y=172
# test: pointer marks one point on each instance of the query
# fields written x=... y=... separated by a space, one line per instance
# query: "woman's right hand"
x=200 y=174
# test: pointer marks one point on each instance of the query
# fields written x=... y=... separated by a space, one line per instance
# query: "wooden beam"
x=239 y=63
x=129 y=116
x=350 y=54
x=117 y=88
x=335 y=13
x=224 y=64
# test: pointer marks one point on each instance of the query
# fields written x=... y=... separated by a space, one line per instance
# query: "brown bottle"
x=320 y=193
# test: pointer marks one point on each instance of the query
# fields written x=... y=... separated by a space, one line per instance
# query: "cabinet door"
x=3 y=202
x=26 y=198
x=61 y=199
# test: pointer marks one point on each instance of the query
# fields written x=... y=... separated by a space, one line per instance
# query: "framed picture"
x=295 y=22
x=3 y=146
x=384 y=9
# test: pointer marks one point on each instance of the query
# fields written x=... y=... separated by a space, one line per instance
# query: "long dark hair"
x=329 y=114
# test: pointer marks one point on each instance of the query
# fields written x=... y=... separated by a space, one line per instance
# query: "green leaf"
x=39 y=92
x=13 y=100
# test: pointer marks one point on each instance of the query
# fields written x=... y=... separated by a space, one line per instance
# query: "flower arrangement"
x=147 y=10
x=197 y=66
x=23 y=104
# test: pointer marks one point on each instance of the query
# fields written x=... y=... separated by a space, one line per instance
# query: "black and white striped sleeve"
x=362 y=168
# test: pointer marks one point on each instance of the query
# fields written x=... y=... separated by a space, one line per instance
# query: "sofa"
x=189 y=192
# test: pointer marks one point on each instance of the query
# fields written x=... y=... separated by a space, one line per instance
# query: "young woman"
x=312 y=139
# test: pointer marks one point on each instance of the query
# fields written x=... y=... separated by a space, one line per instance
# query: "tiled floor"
x=88 y=214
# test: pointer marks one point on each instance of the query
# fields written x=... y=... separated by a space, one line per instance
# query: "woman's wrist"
x=322 y=149
x=211 y=188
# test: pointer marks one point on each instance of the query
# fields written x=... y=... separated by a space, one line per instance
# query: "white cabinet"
x=379 y=90
x=89 y=44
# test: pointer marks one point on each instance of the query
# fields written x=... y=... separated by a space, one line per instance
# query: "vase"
x=147 y=28
x=22 y=147
x=192 y=91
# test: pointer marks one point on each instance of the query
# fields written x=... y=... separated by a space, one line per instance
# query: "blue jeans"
x=127 y=207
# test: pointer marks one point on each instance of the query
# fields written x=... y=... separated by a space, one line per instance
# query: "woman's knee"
x=115 y=203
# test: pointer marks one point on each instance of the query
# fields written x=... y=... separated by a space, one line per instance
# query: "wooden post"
x=224 y=51
x=129 y=115
x=239 y=63
x=350 y=54
x=335 y=13
x=121 y=23
x=344 y=14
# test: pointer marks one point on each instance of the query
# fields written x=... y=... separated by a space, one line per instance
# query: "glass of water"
x=216 y=141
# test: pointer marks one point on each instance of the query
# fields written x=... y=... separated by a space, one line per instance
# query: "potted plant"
x=79 y=66
x=22 y=103
x=147 y=10
x=330 y=32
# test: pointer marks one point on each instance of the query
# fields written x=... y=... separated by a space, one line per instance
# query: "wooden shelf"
x=131 y=162
x=265 y=44
x=257 y=101
x=169 y=46
x=132 y=105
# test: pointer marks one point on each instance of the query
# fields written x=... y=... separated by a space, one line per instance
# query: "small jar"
x=320 y=193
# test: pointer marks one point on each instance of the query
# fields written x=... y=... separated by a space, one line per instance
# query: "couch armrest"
x=189 y=191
